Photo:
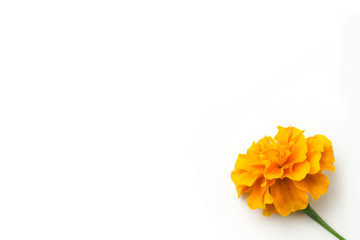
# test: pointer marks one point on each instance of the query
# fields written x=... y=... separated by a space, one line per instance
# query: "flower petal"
x=287 y=197
x=327 y=157
x=272 y=170
x=282 y=137
x=315 y=184
x=242 y=177
x=298 y=152
x=250 y=163
x=242 y=189
x=298 y=171
x=315 y=144
x=314 y=160
x=313 y=155
x=255 y=201
x=267 y=198
x=260 y=194
x=295 y=134
x=286 y=135
x=269 y=209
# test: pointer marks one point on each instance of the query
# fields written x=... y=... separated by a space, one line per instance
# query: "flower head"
x=280 y=172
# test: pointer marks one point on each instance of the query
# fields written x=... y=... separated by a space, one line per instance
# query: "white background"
x=123 y=119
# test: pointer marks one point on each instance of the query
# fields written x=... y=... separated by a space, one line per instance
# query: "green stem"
x=314 y=216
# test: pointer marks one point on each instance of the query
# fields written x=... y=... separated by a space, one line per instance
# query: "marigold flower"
x=279 y=173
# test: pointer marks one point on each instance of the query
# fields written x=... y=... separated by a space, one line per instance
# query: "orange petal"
x=314 y=144
x=287 y=197
x=271 y=154
x=269 y=209
x=254 y=149
x=264 y=143
x=241 y=177
x=272 y=170
x=260 y=194
x=267 y=198
x=295 y=134
x=242 y=189
x=286 y=135
x=298 y=152
x=313 y=155
x=282 y=137
x=276 y=155
x=315 y=184
x=327 y=157
x=298 y=171
x=314 y=160
x=249 y=163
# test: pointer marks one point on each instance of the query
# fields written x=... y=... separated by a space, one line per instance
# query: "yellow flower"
x=280 y=172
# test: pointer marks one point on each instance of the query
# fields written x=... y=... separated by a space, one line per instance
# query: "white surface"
x=123 y=119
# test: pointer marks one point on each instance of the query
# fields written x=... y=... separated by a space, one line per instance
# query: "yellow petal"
x=265 y=143
x=315 y=184
x=241 y=177
x=287 y=197
x=254 y=149
x=262 y=144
